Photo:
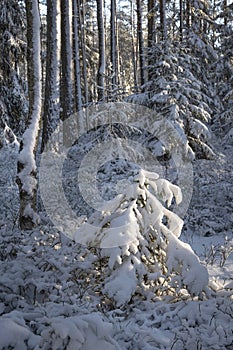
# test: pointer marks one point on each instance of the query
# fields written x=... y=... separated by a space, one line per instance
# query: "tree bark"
x=163 y=24
x=188 y=13
x=113 y=48
x=140 y=42
x=102 y=64
x=181 y=20
x=81 y=16
x=26 y=176
x=134 y=58
x=77 y=71
x=66 y=60
x=151 y=34
x=151 y=23
x=66 y=99
x=51 y=101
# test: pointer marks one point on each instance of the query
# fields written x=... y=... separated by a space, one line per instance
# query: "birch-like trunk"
x=26 y=177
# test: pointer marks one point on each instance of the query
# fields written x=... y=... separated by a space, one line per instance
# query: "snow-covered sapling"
x=138 y=238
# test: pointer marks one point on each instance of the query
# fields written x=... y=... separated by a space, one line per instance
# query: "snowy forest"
x=116 y=174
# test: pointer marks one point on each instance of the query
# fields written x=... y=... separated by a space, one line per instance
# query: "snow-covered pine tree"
x=223 y=73
x=176 y=91
x=180 y=82
x=137 y=238
x=13 y=105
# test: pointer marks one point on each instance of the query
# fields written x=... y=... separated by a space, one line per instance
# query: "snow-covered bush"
x=78 y=332
x=14 y=334
x=138 y=241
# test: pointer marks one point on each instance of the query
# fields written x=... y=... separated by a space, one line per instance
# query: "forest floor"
x=44 y=303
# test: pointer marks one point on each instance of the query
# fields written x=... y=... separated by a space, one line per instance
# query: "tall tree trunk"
x=151 y=33
x=134 y=58
x=26 y=176
x=81 y=15
x=163 y=24
x=188 y=13
x=77 y=71
x=181 y=20
x=113 y=48
x=66 y=100
x=102 y=64
x=51 y=102
x=140 y=42
x=151 y=23
x=66 y=59
x=225 y=10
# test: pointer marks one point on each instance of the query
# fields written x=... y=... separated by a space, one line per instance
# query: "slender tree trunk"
x=163 y=24
x=66 y=59
x=113 y=47
x=81 y=15
x=77 y=71
x=26 y=177
x=102 y=64
x=188 y=13
x=66 y=99
x=181 y=20
x=117 y=55
x=140 y=42
x=151 y=33
x=134 y=59
x=151 y=23
x=51 y=101
x=224 y=9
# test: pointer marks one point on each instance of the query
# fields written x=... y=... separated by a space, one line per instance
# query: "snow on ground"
x=47 y=300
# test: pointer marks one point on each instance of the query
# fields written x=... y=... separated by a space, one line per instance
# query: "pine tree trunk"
x=81 y=16
x=140 y=42
x=51 y=102
x=181 y=20
x=151 y=23
x=113 y=48
x=102 y=64
x=163 y=24
x=26 y=176
x=225 y=9
x=66 y=60
x=66 y=100
x=134 y=58
x=188 y=13
x=151 y=34
x=77 y=71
